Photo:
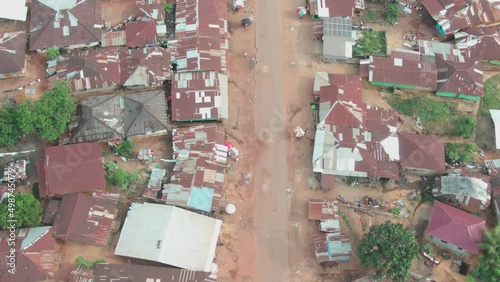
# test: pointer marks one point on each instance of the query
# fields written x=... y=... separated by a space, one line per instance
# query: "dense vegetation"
x=459 y=152
x=48 y=116
x=371 y=43
x=392 y=12
x=390 y=249
x=23 y=208
x=118 y=176
x=488 y=269
x=439 y=117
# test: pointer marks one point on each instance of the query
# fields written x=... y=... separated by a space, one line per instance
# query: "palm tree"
x=489 y=260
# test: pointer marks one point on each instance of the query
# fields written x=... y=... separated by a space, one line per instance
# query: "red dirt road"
x=271 y=201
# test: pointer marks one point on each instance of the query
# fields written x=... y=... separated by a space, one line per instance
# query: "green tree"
x=388 y=248
x=23 y=208
x=53 y=53
x=392 y=13
x=53 y=111
x=9 y=131
x=125 y=149
x=459 y=152
x=371 y=15
x=489 y=259
x=167 y=7
x=466 y=126
x=25 y=118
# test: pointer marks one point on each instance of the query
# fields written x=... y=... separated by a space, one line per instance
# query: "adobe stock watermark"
x=277 y=125
x=74 y=156
x=11 y=257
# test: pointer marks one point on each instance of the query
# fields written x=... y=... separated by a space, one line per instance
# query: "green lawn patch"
x=491 y=98
x=438 y=117
x=372 y=43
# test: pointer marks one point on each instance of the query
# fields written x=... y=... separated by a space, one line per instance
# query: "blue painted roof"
x=201 y=198
x=34 y=233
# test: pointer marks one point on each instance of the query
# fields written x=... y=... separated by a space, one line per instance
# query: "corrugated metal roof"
x=63 y=24
x=114 y=38
x=332 y=8
x=128 y=272
x=202 y=166
x=108 y=116
x=71 y=168
x=320 y=209
x=107 y=67
x=201 y=18
x=200 y=54
x=456 y=227
x=199 y=96
x=150 y=9
x=12 y=51
x=37 y=258
x=334 y=247
x=420 y=151
x=140 y=34
x=465 y=190
x=169 y=235
x=85 y=219
x=51 y=212
x=460 y=77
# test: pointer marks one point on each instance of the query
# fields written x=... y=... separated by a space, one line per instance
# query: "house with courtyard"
x=105 y=272
x=12 y=53
x=199 y=96
x=14 y=11
x=422 y=154
x=353 y=138
x=69 y=24
x=37 y=257
x=169 y=235
x=106 y=117
x=452 y=15
x=326 y=212
x=455 y=230
x=86 y=219
x=197 y=180
x=108 y=68
x=472 y=190
x=71 y=169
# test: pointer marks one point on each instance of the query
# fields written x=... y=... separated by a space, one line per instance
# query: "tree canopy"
x=125 y=149
x=9 y=131
x=53 y=111
x=23 y=208
x=459 y=152
x=392 y=13
x=25 y=118
x=489 y=260
x=390 y=249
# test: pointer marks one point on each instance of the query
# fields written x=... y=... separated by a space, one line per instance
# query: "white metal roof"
x=13 y=10
x=169 y=235
x=495 y=115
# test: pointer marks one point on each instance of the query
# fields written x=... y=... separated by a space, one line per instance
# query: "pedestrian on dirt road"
x=245 y=54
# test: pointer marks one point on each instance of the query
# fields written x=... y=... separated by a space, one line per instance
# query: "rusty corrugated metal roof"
x=396 y=70
x=199 y=96
x=201 y=157
x=200 y=54
x=460 y=77
x=152 y=9
x=200 y=18
x=36 y=253
x=107 y=67
x=12 y=51
x=140 y=34
x=71 y=168
x=105 y=272
x=114 y=38
x=332 y=247
x=419 y=151
x=85 y=219
x=58 y=24
x=321 y=209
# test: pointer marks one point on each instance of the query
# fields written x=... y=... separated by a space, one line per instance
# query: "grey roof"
x=108 y=116
x=338 y=37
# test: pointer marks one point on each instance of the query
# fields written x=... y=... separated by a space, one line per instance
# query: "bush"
x=371 y=43
x=395 y=211
x=428 y=249
x=53 y=53
x=392 y=13
x=87 y=263
x=118 y=176
x=459 y=152
x=371 y=15
x=125 y=149
x=465 y=126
